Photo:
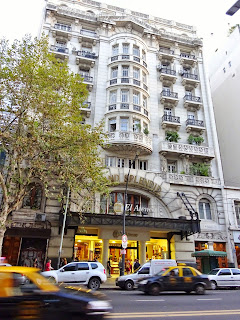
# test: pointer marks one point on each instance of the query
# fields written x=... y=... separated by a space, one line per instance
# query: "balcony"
x=169 y=121
x=129 y=107
x=169 y=98
x=88 y=80
x=190 y=80
x=187 y=59
x=128 y=57
x=86 y=57
x=180 y=149
x=128 y=81
x=128 y=141
x=166 y=54
x=60 y=52
x=192 y=103
x=86 y=109
x=88 y=36
x=185 y=179
x=195 y=125
x=167 y=75
x=62 y=30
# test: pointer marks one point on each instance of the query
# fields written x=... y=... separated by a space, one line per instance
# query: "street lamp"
x=124 y=212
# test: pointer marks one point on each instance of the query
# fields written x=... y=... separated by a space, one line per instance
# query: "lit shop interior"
x=90 y=247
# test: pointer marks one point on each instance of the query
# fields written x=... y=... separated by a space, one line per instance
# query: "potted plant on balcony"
x=172 y=136
x=146 y=131
x=199 y=169
x=198 y=140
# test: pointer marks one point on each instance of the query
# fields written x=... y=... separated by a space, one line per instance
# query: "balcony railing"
x=63 y=27
x=187 y=55
x=87 y=105
x=145 y=112
x=186 y=179
x=144 y=64
x=125 y=57
x=113 y=81
x=86 y=54
x=86 y=77
x=167 y=71
x=136 y=107
x=190 y=76
x=124 y=106
x=192 y=98
x=169 y=118
x=193 y=122
x=88 y=33
x=129 y=81
x=169 y=94
x=114 y=58
x=124 y=80
x=59 y=49
x=137 y=82
x=136 y=59
x=166 y=51
x=112 y=107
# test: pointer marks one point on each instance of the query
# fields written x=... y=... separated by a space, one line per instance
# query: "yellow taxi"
x=37 y=298
x=180 y=278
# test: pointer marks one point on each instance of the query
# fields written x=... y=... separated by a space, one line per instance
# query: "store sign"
x=137 y=208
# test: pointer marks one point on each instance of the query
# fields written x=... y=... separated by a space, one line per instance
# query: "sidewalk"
x=109 y=284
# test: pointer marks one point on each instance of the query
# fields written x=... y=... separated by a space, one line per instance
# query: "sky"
x=19 y=17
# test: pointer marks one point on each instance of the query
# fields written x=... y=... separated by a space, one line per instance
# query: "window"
x=132 y=164
x=115 y=50
x=205 y=209
x=33 y=198
x=191 y=115
x=188 y=93
x=136 y=51
x=124 y=124
x=236 y=272
x=125 y=48
x=94 y=266
x=120 y=163
x=136 y=125
x=172 y=167
x=112 y=125
x=166 y=90
x=114 y=72
x=142 y=165
x=113 y=97
x=110 y=161
x=144 y=270
x=144 y=77
x=187 y=272
x=2 y=158
x=125 y=71
x=136 y=73
x=61 y=44
x=83 y=266
x=225 y=272
x=237 y=210
x=136 y=97
x=145 y=102
x=167 y=111
x=71 y=267
x=143 y=55
x=124 y=95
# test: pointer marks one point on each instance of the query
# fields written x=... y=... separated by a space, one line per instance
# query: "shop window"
x=205 y=209
x=33 y=198
x=82 y=266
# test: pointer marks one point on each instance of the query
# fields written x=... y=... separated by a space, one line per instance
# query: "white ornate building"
x=146 y=79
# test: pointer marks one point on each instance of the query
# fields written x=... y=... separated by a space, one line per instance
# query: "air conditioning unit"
x=40 y=217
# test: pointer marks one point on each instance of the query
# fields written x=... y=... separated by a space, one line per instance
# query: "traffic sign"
x=124 y=241
x=123 y=251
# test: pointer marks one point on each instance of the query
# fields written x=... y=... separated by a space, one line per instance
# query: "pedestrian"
x=35 y=263
x=109 y=268
x=128 y=267
x=76 y=259
x=120 y=266
x=136 y=265
x=48 y=266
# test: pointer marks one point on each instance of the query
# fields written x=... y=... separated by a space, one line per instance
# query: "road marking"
x=206 y=299
x=148 y=300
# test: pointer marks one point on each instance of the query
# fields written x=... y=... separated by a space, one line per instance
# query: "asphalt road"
x=214 y=305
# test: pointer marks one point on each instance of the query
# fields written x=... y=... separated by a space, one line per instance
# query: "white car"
x=88 y=273
x=224 y=277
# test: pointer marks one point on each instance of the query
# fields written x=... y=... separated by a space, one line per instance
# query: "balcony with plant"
x=200 y=169
x=197 y=140
x=172 y=136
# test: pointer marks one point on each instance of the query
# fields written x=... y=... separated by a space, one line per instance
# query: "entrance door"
x=11 y=247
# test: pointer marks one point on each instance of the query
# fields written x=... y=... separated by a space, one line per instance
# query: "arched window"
x=33 y=197
x=205 y=211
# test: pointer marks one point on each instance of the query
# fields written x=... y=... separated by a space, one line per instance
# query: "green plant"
x=172 y=136
x=137 y=126
x=146 y=131
x=199 y=169
x=195 y=139
x=182 y=172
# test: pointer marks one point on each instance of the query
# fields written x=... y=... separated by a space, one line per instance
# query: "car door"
x=224 y=278
x=83 y=272
x=67 y=273
x=187 y=279
x=235 y=277
x=143 y=273
x=172 y=280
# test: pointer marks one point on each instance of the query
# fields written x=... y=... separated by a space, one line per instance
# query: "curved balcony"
x=180 y=149
x=136 y=108
x=169 y=98
x=128 y=141
x=129 y=58
x=192 y=103
x=128 y=81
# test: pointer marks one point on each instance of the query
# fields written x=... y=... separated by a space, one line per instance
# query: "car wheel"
x=94 y=284
x=154 y=290
x=52 y=280
x=129 y=285
x=213 y=285
x=199 y=289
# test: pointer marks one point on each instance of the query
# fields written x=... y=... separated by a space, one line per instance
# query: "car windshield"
x=160 y=273
x=214 y=271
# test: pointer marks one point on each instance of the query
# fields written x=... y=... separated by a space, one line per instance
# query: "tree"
x=41 y=131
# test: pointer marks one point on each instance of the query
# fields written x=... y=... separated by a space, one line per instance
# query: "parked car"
x=180 y=278
x=88 y=273
x=39 y=299
x=224 y=277
x=148 y=269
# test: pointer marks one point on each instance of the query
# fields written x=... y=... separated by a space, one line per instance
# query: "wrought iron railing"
x=59 y=49
x=124 y=106
x=167 y=51
x=170 y=118
x=187 y=55
x=191 y=98
x=63 y=27
x=169 y=94
x=87 y=54
x=86 y=77
x=167 y=71
x=193 y=122
x=190 y=76
x=88 y=33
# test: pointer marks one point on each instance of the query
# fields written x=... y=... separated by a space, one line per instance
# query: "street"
x=217 y=304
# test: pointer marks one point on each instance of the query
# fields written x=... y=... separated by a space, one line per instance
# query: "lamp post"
x=124 y=211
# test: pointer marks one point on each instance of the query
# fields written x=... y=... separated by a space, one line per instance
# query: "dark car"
x=180 y=278
x=39 y=299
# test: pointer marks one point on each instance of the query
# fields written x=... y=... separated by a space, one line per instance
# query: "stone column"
x=105 y=246
x=142 y=256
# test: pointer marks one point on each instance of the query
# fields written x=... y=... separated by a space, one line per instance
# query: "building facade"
x=146 y=79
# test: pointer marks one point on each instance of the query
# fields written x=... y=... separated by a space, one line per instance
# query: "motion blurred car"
x=88 y=273
x=224 y=277
x=180 y=278
x=39 y=299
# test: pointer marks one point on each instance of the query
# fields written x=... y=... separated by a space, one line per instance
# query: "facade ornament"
x=163 y=163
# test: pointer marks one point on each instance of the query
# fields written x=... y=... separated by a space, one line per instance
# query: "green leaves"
x=172 y=136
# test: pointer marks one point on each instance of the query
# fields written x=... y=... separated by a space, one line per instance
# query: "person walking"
x=35 y=263
x=48 y=266
x=109 y=268
x=136 y=265
x=120 y=266
x=128 y=267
